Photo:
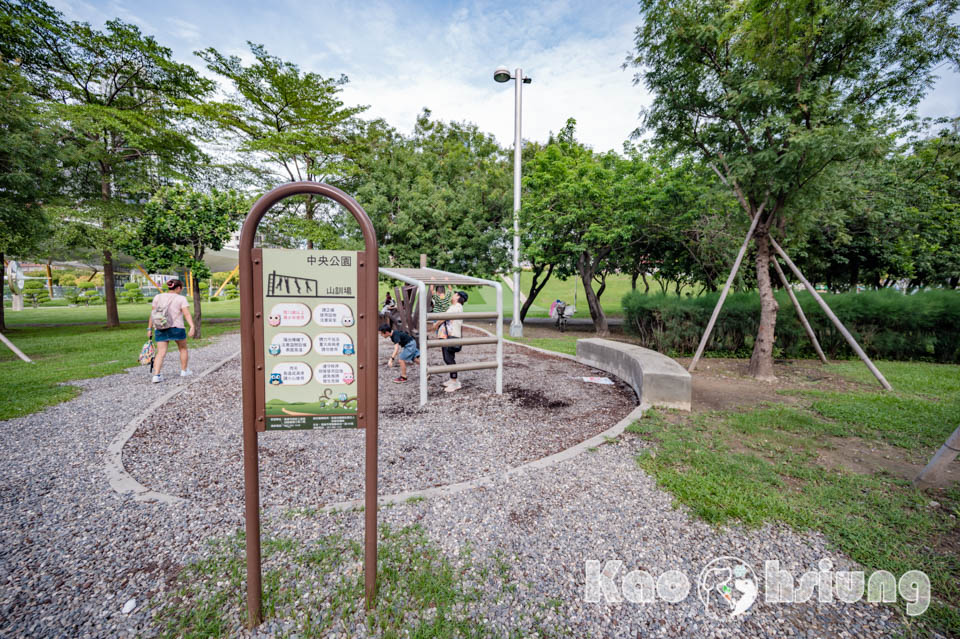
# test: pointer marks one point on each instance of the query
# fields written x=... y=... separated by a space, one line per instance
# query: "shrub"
x=230 y=291
x=68 y=279
x=88 y=293
x=71 y=294
x=131 y=293
x=35 y=292
x=887 y=324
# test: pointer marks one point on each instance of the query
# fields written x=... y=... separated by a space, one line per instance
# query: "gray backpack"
x=161 y=315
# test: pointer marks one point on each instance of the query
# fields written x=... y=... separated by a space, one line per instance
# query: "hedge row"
x=887 y=324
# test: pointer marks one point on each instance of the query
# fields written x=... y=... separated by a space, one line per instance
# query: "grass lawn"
x=75 y=314
x=66 y=353
x=485 y=298
x=763 y=465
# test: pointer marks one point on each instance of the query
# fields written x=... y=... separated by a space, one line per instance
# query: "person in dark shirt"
x=405 y=346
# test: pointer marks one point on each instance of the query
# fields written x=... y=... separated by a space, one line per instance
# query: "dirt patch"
x=866 y=457
x=723 y=383
x=528 y=398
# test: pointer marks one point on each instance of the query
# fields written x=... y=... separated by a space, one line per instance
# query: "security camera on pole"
x=502 y=75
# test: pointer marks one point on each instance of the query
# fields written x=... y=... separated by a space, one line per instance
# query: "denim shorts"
x=170 y=334
x=410 y=352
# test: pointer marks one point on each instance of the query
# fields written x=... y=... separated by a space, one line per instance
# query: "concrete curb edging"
x=657 y=380
x=124 y=484
x=120 y=480
x=488 y=481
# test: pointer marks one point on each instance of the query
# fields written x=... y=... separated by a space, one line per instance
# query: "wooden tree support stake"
x=723 y=293
x=833 y=318
x=803 y=318
x=16 y=351
x=938 y=465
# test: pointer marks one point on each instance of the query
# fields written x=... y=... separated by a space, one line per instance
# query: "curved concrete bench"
x=657 y=379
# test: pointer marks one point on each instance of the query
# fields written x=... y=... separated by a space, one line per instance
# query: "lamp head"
x=502 y=74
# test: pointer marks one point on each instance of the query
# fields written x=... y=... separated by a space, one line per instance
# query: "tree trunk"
x=761 y=361
x=646 y=284
x=197 y=311
x=309 y=215
x=3 y=283
x=586 y=270
x=109 y=293
x=534 y=289
x=633 y=280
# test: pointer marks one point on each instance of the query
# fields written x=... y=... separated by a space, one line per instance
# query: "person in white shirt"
x=452 y=329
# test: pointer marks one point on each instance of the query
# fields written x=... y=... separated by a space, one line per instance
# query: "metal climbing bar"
x=421 y=278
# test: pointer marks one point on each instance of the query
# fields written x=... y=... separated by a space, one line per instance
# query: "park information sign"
x=308 y=333
x=309 y=339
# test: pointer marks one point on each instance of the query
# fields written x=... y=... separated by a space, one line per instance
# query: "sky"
x=403 y=56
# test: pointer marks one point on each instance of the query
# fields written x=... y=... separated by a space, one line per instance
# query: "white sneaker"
x=186 y=373
x=157 y=379
x=455 y=386
x=448 y=382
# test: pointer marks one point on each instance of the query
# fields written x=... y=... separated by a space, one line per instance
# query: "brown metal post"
x=367 y=379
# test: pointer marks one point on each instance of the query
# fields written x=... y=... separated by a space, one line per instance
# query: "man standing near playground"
x=167 y=312
x=452 y=329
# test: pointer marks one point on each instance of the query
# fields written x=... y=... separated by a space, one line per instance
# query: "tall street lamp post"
x=503 y=75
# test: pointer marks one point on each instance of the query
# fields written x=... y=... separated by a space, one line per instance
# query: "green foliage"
x=123 y=103
x=179 y=224
x=35 y=292
x=132 y=293
x=887 y=324
x=88 y=294
x=27 y=163
x=68 y=279
x=444 y=192
x=582 y=211
x=297 y=125
x=230 y=291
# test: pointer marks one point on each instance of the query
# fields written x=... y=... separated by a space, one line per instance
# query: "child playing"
x=405 y=345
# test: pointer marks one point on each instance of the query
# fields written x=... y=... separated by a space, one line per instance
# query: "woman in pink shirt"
x=174 y=308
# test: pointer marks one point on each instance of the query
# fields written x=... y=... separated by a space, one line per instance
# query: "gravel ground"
x=601 y=506
x=72 y=552
x=454 y=437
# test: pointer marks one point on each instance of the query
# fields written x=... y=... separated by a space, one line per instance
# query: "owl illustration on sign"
x=273 y=320
x=274 y=349
x=276 y=379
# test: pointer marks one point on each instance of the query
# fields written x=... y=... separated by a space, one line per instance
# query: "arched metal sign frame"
x=251 y=335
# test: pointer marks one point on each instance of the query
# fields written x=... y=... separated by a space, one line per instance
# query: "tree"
x=27 y=167
x=35 y=293
x=178 y=225
x=584 y=207
x=294 y=121
x=124 y=104
x=444 y=192
x=772 y=95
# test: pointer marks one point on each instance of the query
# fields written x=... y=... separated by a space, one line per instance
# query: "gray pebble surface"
x=455 y=437
x=73 y=552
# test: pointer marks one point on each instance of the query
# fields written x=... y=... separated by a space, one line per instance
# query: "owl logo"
x=348 y=320
x=274 y=349
x=348 y=349
x=348 y=379
x=276 y=379
x=273 y=320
